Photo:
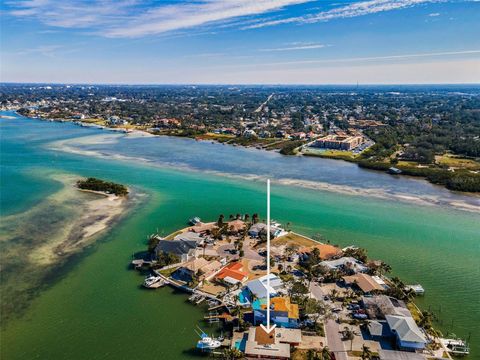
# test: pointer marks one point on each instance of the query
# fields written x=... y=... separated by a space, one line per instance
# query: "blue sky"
x=241 y=41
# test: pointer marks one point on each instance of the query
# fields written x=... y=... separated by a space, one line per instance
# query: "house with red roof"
x=233 y=273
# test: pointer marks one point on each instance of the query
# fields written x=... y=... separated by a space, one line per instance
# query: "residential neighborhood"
x=326 y=302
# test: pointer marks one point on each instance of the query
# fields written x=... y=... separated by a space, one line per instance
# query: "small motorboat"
x=151 y=281
x=195 y=220
x=417 y=288
x=456 y=346
x=207 y=343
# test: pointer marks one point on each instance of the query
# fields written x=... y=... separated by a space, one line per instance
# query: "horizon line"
x=236 y=84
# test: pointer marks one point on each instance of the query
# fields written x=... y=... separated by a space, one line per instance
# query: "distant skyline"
x=241 y=41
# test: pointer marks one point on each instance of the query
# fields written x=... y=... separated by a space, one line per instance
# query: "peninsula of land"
x=327 y=302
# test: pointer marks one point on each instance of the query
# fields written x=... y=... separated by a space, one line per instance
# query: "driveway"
x=334 y=340
x=316 y=291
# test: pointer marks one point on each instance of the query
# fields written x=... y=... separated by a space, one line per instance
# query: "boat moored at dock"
x=153 y=282
x=195 y=220
x=456 y=347
x=417 y=288
x=207 y=343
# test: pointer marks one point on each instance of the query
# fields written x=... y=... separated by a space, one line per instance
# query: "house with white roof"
x=346 y=262
x=259 y=289
x=408 y=334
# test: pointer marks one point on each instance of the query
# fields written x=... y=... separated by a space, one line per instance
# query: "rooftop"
x=176 y=247
x=326 y=250
x=350 y=262
x=282 y=304
x=406 y=328
x=274 y=344
x=365 y=282
x=233 y=273
x=258 y=287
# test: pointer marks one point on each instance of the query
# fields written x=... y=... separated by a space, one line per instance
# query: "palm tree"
x=348 y=334
x=311 y=354
x=334 y=293
x=231 y=354
x=366 y=353
x=409 y=294
x=385 y=268
x=326 y=354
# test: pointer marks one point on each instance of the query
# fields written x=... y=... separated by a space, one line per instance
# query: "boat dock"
x=139 y=263
x=419 y=290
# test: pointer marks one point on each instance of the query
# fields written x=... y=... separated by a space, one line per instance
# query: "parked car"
x=360 y=316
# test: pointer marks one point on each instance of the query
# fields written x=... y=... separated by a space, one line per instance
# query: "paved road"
x=334 y=340
x=332 y=328
x=316 y=291
x=251 y=253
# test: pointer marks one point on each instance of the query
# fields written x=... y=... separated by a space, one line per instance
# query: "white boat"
x=208 y=343
x=195 y=220
x=419 y=290
x=456 y=346
x=151 y=281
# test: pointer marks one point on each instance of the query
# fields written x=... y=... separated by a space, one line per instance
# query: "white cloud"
x=386 y=58
x=351 y=10
x=44 y=50
x=305 y=46
x=434 y=14
x=137 y=18
x=132 y=18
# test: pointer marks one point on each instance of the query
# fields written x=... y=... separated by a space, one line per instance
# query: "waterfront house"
x=258 y=287
x=236 y=225
x=184 y=249
x=378 y=329
x=273 y=345
x=379 y=306
x=188 y=271
x=258 y=228
x=233 y=274
x=364 y=282
x=190 y=236
x=327 y=251
x=408 y=335
x=202 y=228
x=199 y=268
x=345 y=263
x=282 y=312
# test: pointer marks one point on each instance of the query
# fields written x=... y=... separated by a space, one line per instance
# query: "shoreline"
x=377 y=193
x=334 y=293
x=76 y=220
x=408 y=171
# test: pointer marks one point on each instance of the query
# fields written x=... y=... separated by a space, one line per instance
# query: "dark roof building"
x=185 y=249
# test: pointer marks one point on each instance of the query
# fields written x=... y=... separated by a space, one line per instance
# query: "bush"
x=95 y=184
x=288 y=148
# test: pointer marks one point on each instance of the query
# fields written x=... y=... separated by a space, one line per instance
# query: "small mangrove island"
x=326 y=302
x=94 y=184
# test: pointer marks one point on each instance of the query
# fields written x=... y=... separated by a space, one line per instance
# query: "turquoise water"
x=95 y=308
